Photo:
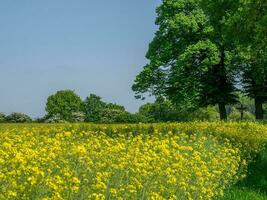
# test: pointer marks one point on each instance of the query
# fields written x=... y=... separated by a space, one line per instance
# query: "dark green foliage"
x=63 y=104
x=257 y=176
x=243 y=193
x=114 y=106
x=2 y=117
x=99 y=111
x=18 y=118
x=93 y=105
x=254 y=186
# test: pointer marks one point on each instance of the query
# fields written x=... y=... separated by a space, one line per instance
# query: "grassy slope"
x=257 y=178
x=237 y=193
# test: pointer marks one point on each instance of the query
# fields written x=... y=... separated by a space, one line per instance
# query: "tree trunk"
x=258 y=108
x=241 y=115
x=222 y=110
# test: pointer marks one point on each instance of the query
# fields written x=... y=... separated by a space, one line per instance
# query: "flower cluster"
x=83 y=161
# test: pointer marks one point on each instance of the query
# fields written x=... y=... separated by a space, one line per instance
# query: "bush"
x=54 y=119
x=18 y=118
x=78 y=117
x=110 y=115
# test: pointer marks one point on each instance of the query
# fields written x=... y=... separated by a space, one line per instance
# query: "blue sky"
x=84 y=45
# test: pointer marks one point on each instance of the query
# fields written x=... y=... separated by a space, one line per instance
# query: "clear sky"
x=88 y=46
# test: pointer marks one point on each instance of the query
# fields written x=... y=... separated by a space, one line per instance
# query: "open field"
x=196 y=160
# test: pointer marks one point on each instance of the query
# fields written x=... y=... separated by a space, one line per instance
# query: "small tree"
x=63 y=104
x=92 y=108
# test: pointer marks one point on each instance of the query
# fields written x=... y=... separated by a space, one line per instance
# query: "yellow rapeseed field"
x=160 y=161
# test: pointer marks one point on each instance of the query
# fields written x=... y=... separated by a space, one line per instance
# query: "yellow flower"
x=75 y=180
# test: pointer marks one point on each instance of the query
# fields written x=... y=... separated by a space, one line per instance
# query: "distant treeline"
x=66 y=106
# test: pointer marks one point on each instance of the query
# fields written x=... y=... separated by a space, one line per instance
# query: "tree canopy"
x=64 y=104
x=189 y=58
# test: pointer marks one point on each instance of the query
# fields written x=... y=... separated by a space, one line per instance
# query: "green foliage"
x=2 y=117
x=119 y=116
x=110 y=115
x=78 y=117
x=99 y=111
x=164 y=111
x=257 y=176
x=114 y=106
x=204 y=114
x=245 y=104
x=160 y=111
x=126 y=117
x=243 y=193
x=254 y=186
x=249 y=32
x=236 y=116
x=63 y=104
x=93 y=105
x=18 y=118
x=189 y=60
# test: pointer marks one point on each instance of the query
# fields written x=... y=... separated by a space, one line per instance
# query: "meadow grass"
x=243 y=193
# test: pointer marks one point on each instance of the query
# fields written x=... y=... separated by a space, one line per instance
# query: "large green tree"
x=189 y=57
x=64 y=104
